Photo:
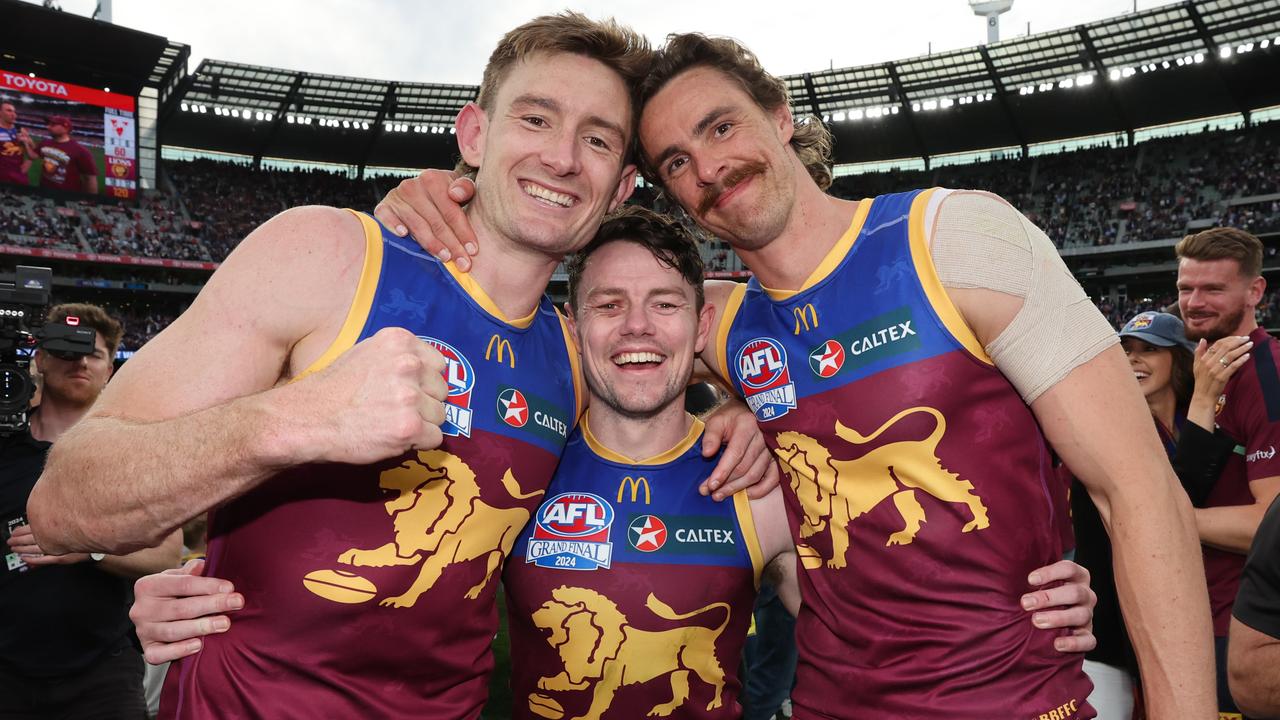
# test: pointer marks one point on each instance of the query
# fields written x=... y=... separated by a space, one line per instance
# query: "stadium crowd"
x=1120 y=312
x=980 y=332
x=1090 y=197
x=1095 y=196
x=1107 y=195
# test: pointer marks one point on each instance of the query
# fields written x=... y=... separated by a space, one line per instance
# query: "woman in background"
x=1181 y=382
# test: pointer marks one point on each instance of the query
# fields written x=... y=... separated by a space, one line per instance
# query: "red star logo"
x=513 y=408
x=827 y=359
x=647 y=533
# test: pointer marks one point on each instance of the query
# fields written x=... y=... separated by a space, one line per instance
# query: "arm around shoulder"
x=769 y=514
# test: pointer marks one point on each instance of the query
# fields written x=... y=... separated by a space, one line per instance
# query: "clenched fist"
x=383 y=397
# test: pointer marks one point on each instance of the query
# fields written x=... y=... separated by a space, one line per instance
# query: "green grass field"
x=499 y=706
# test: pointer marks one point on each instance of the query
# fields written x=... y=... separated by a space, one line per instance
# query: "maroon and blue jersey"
x=1249 y=412
x=919 y=487
x=371 y=589
x=12 y=157
x=630 y=594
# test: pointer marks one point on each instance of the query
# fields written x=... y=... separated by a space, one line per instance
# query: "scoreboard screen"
x=67 y=137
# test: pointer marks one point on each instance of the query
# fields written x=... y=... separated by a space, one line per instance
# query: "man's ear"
x=626 y=186
x=784 y=123
x=705 y=318
x=571 y=322
x=1257 y=288
x=470 y=127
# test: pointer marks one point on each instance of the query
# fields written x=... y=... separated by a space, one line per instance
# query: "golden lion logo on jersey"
x=603 y=651
x=835 y=492
x=440 y=520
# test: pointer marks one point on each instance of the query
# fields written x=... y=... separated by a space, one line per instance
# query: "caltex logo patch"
x=765 y=379
x=461 y=380
x=827 y=359
x=647 y=533
x=513 y=408
x=572 y=533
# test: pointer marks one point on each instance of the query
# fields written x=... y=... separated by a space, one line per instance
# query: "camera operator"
x=66 y=648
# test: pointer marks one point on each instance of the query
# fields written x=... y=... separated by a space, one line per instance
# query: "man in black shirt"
x=1254 y=648
x=65 y=646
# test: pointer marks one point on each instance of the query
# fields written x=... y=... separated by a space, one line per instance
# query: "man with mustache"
x=333 y=394
x=636 y=586
x=945 y=322
x=1220 y=284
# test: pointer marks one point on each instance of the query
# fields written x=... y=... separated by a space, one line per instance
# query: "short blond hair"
x=616 y=46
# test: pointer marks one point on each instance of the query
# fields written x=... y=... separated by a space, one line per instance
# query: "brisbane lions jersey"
x=12 y=157
x=370 y=590
x=919 y=488
x=1249 y=411
x=631 y=594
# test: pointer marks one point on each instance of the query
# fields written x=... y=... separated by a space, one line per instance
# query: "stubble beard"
x=1225 y=327
x=610 y=397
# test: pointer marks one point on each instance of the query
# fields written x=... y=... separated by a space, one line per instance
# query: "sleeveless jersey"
x=12 y=156
x=631 y=594
x=919 y=488
x=370 y=590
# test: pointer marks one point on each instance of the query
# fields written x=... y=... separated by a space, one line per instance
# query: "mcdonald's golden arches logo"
x=806 y=316
x=503 y=349
x=635 y=483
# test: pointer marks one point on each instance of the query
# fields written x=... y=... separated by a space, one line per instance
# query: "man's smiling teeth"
x=549 y=195
x=636 y=357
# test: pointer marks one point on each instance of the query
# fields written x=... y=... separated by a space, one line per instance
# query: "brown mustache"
x=730 y=181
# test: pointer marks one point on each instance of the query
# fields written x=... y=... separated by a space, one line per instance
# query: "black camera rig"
x=23 y=305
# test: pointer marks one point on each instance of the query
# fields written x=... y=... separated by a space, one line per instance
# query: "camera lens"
x=15 y=389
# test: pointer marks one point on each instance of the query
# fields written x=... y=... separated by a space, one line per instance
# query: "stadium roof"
x=1169 y=64
x=80 y=50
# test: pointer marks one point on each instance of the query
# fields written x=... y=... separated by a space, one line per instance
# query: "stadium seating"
x=1112 y=195
x=1155 y=190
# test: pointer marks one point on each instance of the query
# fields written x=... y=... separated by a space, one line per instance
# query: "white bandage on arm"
x=981 y=241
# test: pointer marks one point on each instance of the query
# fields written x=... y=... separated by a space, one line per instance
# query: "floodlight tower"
x=991 y=10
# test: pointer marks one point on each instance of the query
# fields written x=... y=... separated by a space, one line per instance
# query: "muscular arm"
x=1232 y=527
x=1252 y=661
x=1098 y=422
x=195 y=418
x=145 y=562
x=132 y=566
x=90 y=184
x=782 y=574
x=708 y=368
x=780 y=561
x=1254 y=645
x=1096 y=419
